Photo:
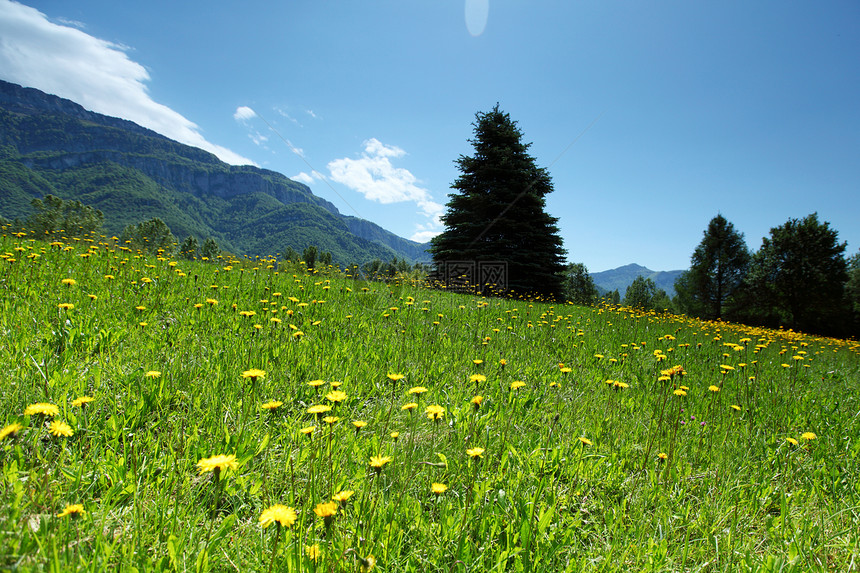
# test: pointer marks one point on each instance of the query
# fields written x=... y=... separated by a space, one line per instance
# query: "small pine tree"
x=150 y=236
x=210 y=249
x=579 y=287
x=310 y=256
x=189 y=248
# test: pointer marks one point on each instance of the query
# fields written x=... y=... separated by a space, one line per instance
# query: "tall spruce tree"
x=717 y=267
x=498 y=210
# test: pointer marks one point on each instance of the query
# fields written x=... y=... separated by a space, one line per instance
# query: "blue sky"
x=651 y=117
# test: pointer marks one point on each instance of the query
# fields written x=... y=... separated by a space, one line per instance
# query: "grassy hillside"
x=156 y=414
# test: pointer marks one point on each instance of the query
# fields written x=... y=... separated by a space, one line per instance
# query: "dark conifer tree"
x=717 y=267
x=798 y=277
x=498 y=210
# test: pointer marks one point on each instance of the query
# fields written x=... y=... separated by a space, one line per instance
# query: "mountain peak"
x=622 y=277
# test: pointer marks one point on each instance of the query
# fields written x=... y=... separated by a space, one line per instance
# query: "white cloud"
x=377 y=179
x=311 y=113
x=308 y=179
x=303 y=178
x=258 y=138
x=67 y=62
x=424 y=233
x=283 y=113
x=244 y=113
x=423 y=236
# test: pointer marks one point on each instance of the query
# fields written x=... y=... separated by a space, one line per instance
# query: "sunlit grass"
x=162 y=414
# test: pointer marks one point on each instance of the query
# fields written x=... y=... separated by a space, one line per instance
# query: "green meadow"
x=160 y=414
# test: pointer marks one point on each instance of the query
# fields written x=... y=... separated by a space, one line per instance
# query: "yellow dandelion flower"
x=218 y=463
x=396 y=377
x=662 y=456
x=273 y=405
x=680 y=392
x=316 y=383
x=330 y=420
x=69 y=282
x=281 y=514
x=438 y=488
x=409 y=407
x=584 y=441
x=319 y=409
x=60 y=429
x=308 y=430
x=82 y=401
x=42 y=408
x=336 y=396
x=152 y=374
x=434 y=412
x=808 y=436
x=378 y=462
x=517 y=384
x=326 y=510
x=254 y=373
x=735 y=407
x=66 y=306
x=791 y=441
x=477 y=401
x=475 y=452
x=10 y=430
x=342 y=496
x=417 y=390
x=713 y=388
x=477 y=378
x=73 y=511
x=359 y=424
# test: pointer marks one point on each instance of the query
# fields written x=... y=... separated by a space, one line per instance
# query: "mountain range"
x=622 y=277
x=50 y=145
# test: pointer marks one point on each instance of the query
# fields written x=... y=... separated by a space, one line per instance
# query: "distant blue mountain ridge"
x=623 y=277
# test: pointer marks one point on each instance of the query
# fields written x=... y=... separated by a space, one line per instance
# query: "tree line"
x=52 y=215
x=799 y=278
